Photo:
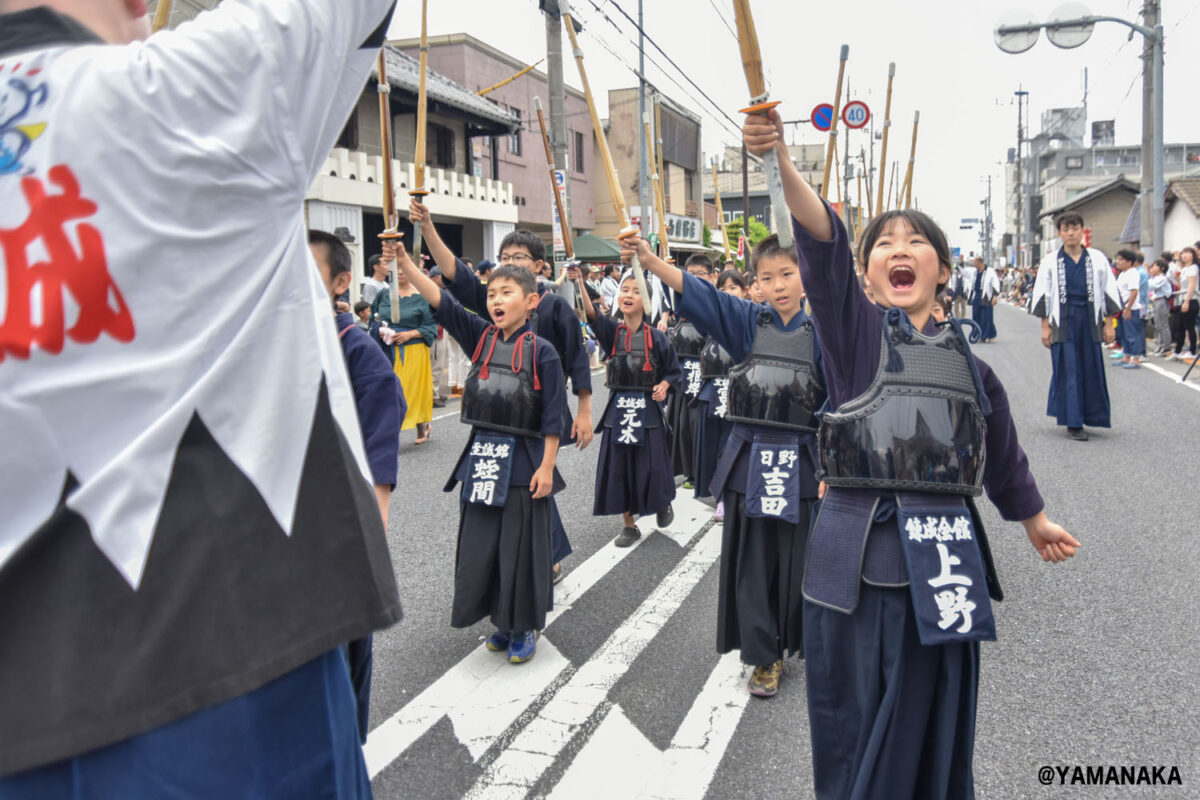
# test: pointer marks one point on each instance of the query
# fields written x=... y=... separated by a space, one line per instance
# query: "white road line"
x=1174 y=378
x=482 y=685
x=483 y=694
x=691 y=762
x=520 y=766
x=685 y=770
x=617 y=761
x=690 y=516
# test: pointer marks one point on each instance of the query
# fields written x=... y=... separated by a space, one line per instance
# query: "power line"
x=671 y=61
x=735 y=131
x=721 y=16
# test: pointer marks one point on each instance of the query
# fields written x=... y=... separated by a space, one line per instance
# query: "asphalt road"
x=1096 y=662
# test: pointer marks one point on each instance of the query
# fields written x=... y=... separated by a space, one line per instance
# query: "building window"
x=514 y=141
x=1074 y=162
x=578 y=151
x=689 y=180
x=439 y=146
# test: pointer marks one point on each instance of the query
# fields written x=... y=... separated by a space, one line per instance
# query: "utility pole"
x=1015 y=39
x=846 y=171
x=554 y=78
x=557 y=98
x=1150 y=20
x=1018 y=250
x=643 y=157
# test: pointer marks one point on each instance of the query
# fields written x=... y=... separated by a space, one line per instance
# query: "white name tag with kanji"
x=489 y=469
x=630 y=421
x=946 y=573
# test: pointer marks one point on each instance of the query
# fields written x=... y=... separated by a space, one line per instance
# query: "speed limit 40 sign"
x=856 y=114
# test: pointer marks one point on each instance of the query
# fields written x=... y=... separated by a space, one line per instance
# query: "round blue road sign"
x=822 y=117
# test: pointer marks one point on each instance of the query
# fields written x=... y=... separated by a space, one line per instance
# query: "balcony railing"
x=356 y=165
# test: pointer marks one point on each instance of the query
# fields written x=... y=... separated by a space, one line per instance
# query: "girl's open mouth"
x=902 y=277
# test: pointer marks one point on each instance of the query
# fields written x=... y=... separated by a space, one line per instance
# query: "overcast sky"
x=947 y=67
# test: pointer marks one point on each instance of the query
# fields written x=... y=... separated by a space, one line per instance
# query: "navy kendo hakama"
x=759 y=603
x=759 y=600
x=712 y=432
x=890 y=717
x=637 y=478
x=982 y=310
x=1078 y=385
x=682 y=420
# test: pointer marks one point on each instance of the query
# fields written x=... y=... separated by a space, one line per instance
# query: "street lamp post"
x=1068 y=33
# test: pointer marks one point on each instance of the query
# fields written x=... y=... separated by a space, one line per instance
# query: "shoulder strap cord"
x=985 y=405
x=518 y=357
x=493 y=332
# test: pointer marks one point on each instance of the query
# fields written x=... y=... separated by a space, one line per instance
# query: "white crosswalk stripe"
x=488 y=702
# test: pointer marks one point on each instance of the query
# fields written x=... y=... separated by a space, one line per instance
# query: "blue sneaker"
x=1132 y=365
x=497 y=642
x=522 y=646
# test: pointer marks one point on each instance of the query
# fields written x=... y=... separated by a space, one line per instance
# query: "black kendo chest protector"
x=687 y=341
x=714 y=361
x=502 y=391
x=627 y=369
x=919 y=426
x=778 y=384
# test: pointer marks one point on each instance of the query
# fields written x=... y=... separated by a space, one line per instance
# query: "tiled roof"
x=1188 y=190
x=1119 y=182
x=404 y=73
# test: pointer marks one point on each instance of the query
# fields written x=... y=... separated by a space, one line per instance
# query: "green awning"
x=593 y=249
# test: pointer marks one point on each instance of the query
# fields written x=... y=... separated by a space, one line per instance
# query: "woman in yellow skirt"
x=407 y=342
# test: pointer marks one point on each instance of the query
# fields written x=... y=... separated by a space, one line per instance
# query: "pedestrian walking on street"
x=712 y=404
x=681 y=412
x=552 y=319
x=766 y=473
x=1076 y=296
x=898 y=575
x=513 y=401
x=959 y=290
x=985 y=292
x=634 y=475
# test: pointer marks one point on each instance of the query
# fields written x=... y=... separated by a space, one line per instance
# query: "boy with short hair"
x=381 y=408
x=1133 y=327
x=362 y=314
x=514 y=400
x=766 y=472
x=553 y=319
x=1160 y=291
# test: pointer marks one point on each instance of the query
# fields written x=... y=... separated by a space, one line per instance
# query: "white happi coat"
x=1049 y=290
x=155 y=285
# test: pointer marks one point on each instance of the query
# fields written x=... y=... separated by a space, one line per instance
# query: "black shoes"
x=627 y=537
x=664 y=518
x=1078 y=434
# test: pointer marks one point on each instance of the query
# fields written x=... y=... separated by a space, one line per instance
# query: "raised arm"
x=423 y=283
x=589 y=310
x=671 y=277
x=442 y=255
x=763 y=132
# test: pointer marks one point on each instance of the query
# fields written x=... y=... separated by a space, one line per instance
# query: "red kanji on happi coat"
x=83 y=273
